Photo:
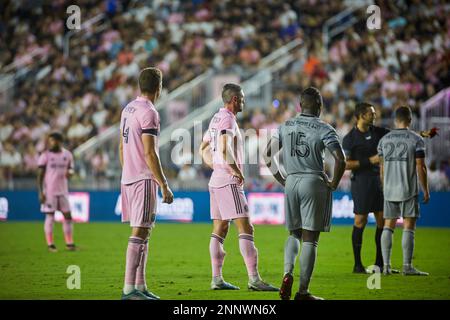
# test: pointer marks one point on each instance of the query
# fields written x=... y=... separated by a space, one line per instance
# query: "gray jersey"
x=399 y=149
x=304 y=139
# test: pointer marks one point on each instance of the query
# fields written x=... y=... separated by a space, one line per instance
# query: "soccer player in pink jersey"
x=55 y=168
x=222 y=148
x=141 y=175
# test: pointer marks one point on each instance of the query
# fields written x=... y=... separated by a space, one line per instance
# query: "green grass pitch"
x=179 y=265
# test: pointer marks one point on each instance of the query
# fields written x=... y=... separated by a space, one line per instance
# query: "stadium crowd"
x=82 y=94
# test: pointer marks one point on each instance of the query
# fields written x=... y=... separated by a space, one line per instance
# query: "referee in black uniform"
x=360 y=147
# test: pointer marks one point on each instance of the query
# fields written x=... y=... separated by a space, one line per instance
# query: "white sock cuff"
x=246 y=236
x=217 y=237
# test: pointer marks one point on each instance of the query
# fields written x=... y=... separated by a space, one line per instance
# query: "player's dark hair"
x=57 y=136
x=150 y=80
x=403 y=114
x=311 y=99
x=361 y=108
x=229 y=91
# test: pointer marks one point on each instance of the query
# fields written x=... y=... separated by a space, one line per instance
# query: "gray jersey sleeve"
x=380 y=147
x=279 y=136
x=330 y=138
x=420 y=148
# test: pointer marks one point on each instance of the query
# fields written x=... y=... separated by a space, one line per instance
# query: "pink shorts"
x=139 y=203
x=55 y=203
x=228 y=202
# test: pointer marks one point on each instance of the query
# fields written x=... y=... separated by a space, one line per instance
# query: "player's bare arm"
x=121 y=149
x=270 y=156
x=352 y=164
x=381 y=171
x=339 y=166
x=228 y=155
x=205 y=153
x=40 y=183
x=153 y=162
x=422 y=173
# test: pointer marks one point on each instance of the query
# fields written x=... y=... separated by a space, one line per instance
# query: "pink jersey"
x=56 y=165
x=224 y=122
x=139 y=117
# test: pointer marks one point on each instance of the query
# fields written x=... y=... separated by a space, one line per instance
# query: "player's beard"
x=239 y=108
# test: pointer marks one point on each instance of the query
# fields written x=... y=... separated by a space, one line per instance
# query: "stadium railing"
x=435 y=112
x=340 y=22
x=197 y=96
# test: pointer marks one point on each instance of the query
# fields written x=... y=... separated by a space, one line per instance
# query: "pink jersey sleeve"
x=42 y=161
x=227 y=125
x=150 y=122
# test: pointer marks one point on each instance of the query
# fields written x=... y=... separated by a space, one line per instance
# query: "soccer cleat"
x=260 y=285
x=387 y=270
x=223 y=285
x=150 y=295
x=411 y=271
x=52 y=248
x=306 y=297
x=286 y=287
x=359 y=269
x=135 y=295
x=71 y=247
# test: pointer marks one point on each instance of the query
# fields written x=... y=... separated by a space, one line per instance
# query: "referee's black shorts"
x=367 y=194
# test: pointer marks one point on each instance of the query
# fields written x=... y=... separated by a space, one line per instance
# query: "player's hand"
x=69 y=173
x=240 y=177
x=331 y=185
x=375 y=160
x=426 y=198
x=41 y=198
x=167 y=194
x=430 y=133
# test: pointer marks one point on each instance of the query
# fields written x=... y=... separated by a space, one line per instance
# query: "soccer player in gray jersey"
x=308 y=191
x=402 y=159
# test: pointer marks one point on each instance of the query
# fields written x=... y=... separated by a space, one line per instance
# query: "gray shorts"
x=406 y=209
x=308 y=203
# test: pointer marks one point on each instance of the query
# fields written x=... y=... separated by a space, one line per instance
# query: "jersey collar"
x=307 y=115
x=228 y=111
x=144 y=99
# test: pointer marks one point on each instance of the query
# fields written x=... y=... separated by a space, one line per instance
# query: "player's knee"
x=390 y=223
x=296 y=234
x=360 y=220
x=310 y=236
x=249 y=229
x=142 y=233
x=409 y=224
x=221 y=229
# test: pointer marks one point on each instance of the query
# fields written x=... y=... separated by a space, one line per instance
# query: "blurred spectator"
x=30 y=160
x=99 y=164
x=82 y=94
x=10 y=162
x=437 y=179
